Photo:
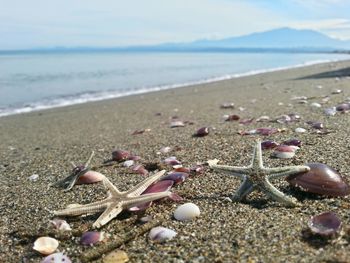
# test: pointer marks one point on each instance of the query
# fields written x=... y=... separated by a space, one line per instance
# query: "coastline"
x=105 y=95
x=44 y=143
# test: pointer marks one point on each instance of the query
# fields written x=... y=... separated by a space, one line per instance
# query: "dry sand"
x=259 y=230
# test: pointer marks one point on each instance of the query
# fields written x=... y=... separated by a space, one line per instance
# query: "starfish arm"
x=136 y=200
x=285 y=171
x=142 y=186
x=246 y=188
x=113 y=190
x=277 y=195
x=90 y=158
x=232 y=170
x=82 y=209
x=257 y=156
x=110 y=213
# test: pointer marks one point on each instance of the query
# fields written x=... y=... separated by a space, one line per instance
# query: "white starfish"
x=256 y=177
x=116 y=201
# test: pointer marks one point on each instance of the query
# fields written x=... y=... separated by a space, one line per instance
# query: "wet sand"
x=259 y=230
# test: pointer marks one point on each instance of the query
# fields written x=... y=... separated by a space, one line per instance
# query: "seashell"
x=90 y=177
x=176 y=177
x=284 y=151
x=263 y=118
x=300 y=130
x=145 y=219
x=330 y=111
x=164 y=150
x=299 y=98
x=227 y=105
x=172 y=161
x=198 y=169
x=177 y=123
x=56 y=258
x=232 y=117
x=161 y=234
x=343 y=107
x=315 y=124
x=250 y=132
x=128 y=163
x=134 y=158
x=266 y=131
x=186 y=212
x=269 y=144
x=283 y=119
x=315 y=105
x=139 y=169
x=293 y=142
x=337 y=91
x=201 y=132
x=60 y=224
x=325 y=224
x=183 y=170
x=246 y=121
x=241 y=108
x=321 y=179
x=116 y=256
x=45 y=245
x=91 y=238
x=33 y=177
x=120 y=155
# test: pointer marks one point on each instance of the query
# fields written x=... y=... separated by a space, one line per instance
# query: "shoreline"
x=94 y=97
x=258 y=230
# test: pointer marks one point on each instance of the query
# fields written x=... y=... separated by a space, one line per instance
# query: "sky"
x=109 y=23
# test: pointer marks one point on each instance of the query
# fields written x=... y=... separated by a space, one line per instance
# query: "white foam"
x=90 y=97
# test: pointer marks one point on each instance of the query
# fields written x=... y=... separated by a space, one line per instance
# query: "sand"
x=259 y=230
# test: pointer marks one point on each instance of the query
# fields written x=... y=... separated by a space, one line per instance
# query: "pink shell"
x=90 y=177
x=140 y=169
x=120 y=155
x=176 y=177
x=91 y=238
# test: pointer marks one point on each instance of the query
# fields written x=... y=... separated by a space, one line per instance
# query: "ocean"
x=41 y=80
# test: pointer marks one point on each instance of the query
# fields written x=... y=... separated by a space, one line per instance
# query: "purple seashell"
x=161 y=186
x=325 y=224
x=343 y=107
x=232 y=117
x=140 y=169
x=56 y=258
x=269 y=144
x=172 y=161
x=266 y=131
x=91 y=238
x=293 y=142
x=182 y=170
x=161 y=234
x=176 y=177
x=120 y=155
x=204 y=131
x=321 y=179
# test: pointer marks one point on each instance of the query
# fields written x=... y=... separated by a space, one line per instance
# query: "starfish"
x=257 y=177
x=116 y=201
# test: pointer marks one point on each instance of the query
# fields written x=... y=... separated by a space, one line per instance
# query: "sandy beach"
x=258 y=230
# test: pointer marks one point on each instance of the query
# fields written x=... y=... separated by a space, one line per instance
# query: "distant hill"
x=282 y=38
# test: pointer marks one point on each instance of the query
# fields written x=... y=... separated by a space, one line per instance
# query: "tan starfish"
x=116 y=201
x=256 y=177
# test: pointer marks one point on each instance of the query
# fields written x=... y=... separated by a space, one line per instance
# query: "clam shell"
x=90 y=177
x=321 y=179
x=325 y=224
x=60 y=224
x=161 y=234
x=284 y=151
x=186 y=212
x=116 y=256
x=45 y=245
x=91 y=238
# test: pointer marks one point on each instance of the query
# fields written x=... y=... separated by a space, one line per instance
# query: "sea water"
x=40 y=80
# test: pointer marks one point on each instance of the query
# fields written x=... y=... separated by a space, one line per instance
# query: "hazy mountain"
x=282 y=38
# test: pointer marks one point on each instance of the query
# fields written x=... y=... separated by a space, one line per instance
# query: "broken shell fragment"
x=227 y=105
x=284 y=151
x=56 y=258
x=172 y=161
x=161 y=234
x=177 y=123
x=201 y=132
x=186 y=212
x=45 y=245
x=90 y=177
x=128 y=163
x=321 y=179
x=139 y=169
x=91 y=238
x=60 y=224
x=120 y=155
x=325 y=224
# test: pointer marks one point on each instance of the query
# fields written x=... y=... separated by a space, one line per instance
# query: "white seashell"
x=186 y=212
x=330 y=111
x=300 y=130
x=263 y=118
x=60 y=224
x=175 y=124
x=161 y=234
x=128 y=163
x=56 y=258
x=33 y=177
x=315 y=105
x=45 y=245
